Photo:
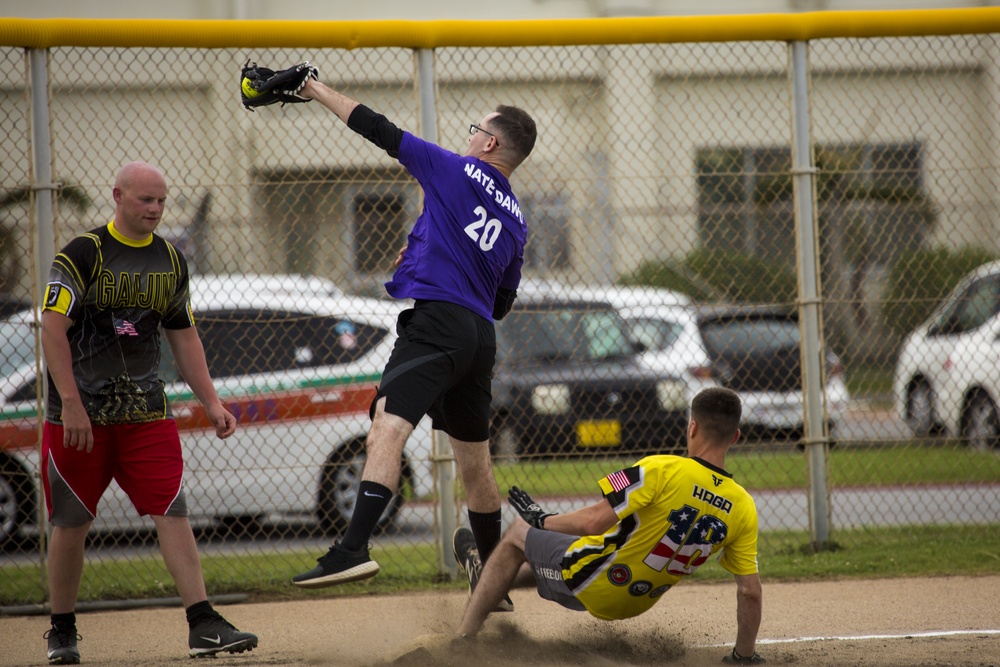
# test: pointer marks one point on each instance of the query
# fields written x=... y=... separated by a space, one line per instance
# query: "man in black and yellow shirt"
x=109 y=293
x=657 y=522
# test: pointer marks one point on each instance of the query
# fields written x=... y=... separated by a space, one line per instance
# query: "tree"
x=11 y=255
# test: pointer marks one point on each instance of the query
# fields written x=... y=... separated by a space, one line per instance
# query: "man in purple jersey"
x=462 y=266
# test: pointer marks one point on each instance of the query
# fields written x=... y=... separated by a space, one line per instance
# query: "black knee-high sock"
x=373 y=498
x=486 y=527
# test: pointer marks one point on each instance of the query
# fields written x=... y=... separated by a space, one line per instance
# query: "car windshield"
x=755 y=353
x=563 y=334
x=17 y=345
x=751 y=336
x=654 y=333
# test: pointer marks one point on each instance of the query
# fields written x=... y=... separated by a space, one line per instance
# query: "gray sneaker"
x=62 y=646
x=463 y=544
x=217 y=635
x=338 y=566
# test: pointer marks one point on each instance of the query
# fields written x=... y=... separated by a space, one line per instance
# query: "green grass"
x=259 y=571
x=782 y=468
x=784 y=556
x=866 y=381
x=900 y=551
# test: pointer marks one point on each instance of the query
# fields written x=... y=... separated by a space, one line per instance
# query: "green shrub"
x=719 y=275
x=920 y=279
x=669 y=275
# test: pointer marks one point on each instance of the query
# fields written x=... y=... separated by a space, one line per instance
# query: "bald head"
x=138 y=171
x=140 y=193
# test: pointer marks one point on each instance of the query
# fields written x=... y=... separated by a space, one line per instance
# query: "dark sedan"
x=568 y=380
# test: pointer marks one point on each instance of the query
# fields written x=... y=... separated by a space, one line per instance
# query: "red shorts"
x=145 y=460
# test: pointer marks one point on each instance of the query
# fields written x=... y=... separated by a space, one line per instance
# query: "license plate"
x=599 y=433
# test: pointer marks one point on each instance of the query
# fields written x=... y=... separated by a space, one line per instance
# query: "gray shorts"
x=544 y=550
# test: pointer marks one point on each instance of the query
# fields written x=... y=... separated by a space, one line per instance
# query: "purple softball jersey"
x=469 y=239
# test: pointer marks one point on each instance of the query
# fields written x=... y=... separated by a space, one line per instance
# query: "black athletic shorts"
x=441 y=365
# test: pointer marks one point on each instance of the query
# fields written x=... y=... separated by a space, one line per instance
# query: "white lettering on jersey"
x=501 y=198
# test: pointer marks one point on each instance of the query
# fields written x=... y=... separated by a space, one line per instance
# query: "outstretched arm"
x=340 y=104
x=374 y=127
x=595 y=519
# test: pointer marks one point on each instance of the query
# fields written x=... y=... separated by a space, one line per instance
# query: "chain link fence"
x=664 y=256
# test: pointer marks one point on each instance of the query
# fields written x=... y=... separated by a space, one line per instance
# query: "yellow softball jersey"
x=674 y=513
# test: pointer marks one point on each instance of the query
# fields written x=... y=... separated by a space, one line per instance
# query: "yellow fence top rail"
x=43 y=33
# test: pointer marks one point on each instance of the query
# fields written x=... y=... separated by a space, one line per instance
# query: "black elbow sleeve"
x=503 y=302
x=376 y=128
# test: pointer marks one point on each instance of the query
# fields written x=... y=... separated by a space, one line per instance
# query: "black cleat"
x=217 y=635
x=62 y=646
x=463 y=544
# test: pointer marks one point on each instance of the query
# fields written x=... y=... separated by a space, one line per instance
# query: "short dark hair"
x=517 y=129
x=718 y=412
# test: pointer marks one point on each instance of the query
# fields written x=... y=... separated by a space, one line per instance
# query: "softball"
x=247 y=87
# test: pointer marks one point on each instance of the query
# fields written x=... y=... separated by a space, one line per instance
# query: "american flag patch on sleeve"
x=623 y=478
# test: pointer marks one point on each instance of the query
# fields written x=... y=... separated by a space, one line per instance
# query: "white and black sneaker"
x=217 y=635
x=338 y=566
x=463 y=544
x=62 y=648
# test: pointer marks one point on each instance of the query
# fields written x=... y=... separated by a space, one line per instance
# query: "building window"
x=868 y=195
x=380 y=228
x=348 y=227
x=548 y=244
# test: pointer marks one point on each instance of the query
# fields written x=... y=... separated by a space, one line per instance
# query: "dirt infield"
x=896 y=622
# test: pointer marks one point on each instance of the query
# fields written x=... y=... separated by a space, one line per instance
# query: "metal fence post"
x=445 y=512
x=43 y=195
x=41 y=162
x=803 y=175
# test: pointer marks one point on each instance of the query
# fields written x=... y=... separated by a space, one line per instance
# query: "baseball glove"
x=260 y=86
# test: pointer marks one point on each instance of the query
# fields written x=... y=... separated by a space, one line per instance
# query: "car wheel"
x=982 y=423
x=339 y=486
x=15 y=501
x=920 y=415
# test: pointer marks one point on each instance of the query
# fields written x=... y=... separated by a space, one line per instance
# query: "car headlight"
x=550 y=399
x=672 y=394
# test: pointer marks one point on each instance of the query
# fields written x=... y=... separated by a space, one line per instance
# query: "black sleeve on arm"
x=503 y=303
x=376 y=128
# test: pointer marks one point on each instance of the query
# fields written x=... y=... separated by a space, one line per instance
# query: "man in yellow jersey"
x=656 y=524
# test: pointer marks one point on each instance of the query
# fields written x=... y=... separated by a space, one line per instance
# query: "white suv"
x=947 y=379
x=294 y=359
